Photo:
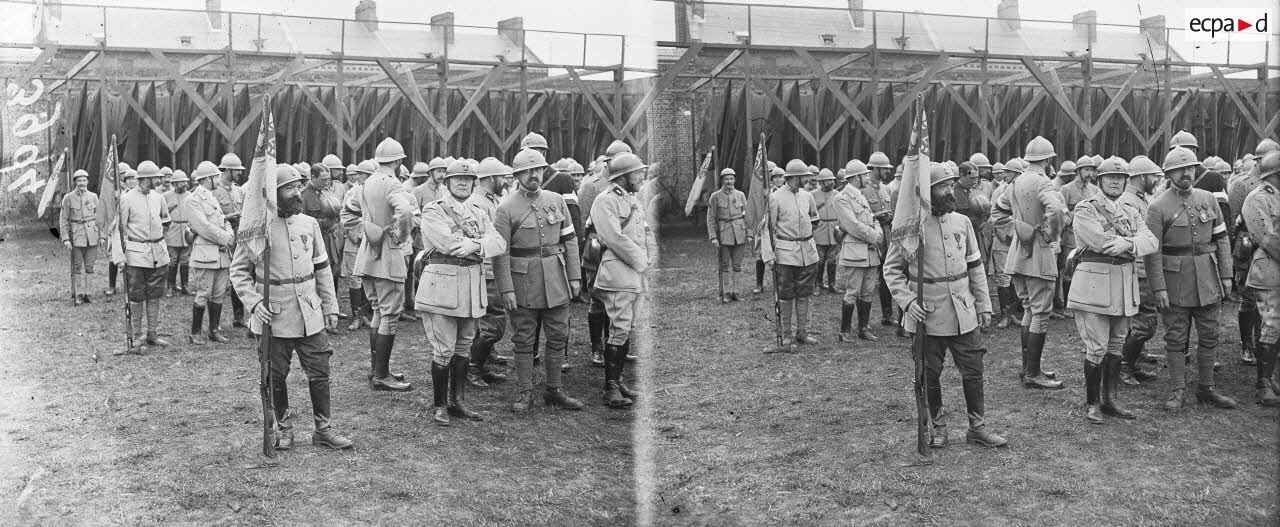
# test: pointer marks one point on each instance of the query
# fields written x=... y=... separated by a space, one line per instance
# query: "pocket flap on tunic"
x=1091 y=287
x=440 y=286
x=520 y=265
x=1172 y=263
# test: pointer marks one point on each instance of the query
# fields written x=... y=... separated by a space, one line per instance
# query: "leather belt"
x=789 y=239
x=826 y=220
x=287 y=281
x=87 y=220
x=1188 y=250
x=735 y=218
x=178 y=221
x=937 y=279
x=533 y=252
x=1096 y=257
x=445 y=259
x=136 y=240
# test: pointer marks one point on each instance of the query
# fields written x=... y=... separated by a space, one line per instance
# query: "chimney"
x=857 y=13
x=1007 y=12
x=513 y=30
x=1153 y=27
x=1085 y=25
x=444 y=22
x=367 y=14
x=682 y=22
x=214 y=9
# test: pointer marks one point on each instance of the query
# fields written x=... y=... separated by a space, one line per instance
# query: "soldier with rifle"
x=78 y=228
x=790 y=218
x=143 y=217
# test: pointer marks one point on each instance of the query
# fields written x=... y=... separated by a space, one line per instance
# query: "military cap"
x=980 y=160
x=1141 y=166
x=878 y=160
x=421 y=169
x=332 y=162
x=205 y=169
x=231 y=162
x=388 y=150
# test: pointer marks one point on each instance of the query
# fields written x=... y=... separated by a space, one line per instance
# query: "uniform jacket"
x=354 y=235
x=452 y=289
x=726 y=217
x=487 y=202
x=78 y=220
x=1136 y=198
x=145 y=216
x=825 y=233
x=426 y=193
x=792 y=214
x=1261 y=210
x=1238 y=190
x=1073 y=193
x=590 y=187
x=230 y=197
x=964 y=205
x=1035 y=210
x=176 y=233
x=879 y=198
x=629 y=249
x=313 y=204
x=540 y=222
x=385 y=212
x=951 y=257
x=862 y=233
x=1108 y=288
x=211 y=248
x=1188 y=221
x=1215 y=183
x=301 y=278
x=1003 y=231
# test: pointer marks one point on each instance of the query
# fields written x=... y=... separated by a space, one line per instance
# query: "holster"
x=373 y=234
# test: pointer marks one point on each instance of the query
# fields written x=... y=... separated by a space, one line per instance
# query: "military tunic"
x=78 y=224
x=955 y=289
x=1261 y=212
x=1142 y=327
x=860 y=246
x=211 y=248
x=792 y=215
x=630 y=250
x=176 y=235
x=727 y=224
x=493 y=324
x=144 y=215
x=384 y=211
x=351 y=244
x=1035 y=210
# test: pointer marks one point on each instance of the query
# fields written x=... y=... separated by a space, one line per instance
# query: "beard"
x=289 y=206
x=943 y=205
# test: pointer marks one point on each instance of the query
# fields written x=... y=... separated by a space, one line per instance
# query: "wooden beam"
x=470 y=107
x=200 y=102
x=588 y=93
x=987 y=135
x=409 y=87
x=850 y=105
x=74 y=71
x=716 y=71
x=786 y=112
x=1055 y=90
x=902 y=102
x=951 y=64
x=46 y=55
x=328 y=116
x=1027 y=74
x=1022 y=117
x=377 y=120
x=383 y=76
x=665 y=80
x=524 y=120
x=1246 y=108
x=187 y=66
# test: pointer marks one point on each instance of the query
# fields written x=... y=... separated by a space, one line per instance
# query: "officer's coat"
x=144 y=215
x=1136 y=198
x=455 y=290
x=1189 y=220
x=533 y=222
x=1108 y=288
x=630 y=249
x=862 y=233
x=488 y=202
x=825 y=232
x=1033 y=207
x=78 y=219
x=384 y=210
x=949 y=249
x=211 y=247
x=1003 y=231
x=1261 y=212
x=792 y=214
x=175 y=235
x=726 y=216
x=302 y=280
x=1072 y=194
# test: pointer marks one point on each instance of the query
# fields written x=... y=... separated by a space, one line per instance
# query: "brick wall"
x=673 y=144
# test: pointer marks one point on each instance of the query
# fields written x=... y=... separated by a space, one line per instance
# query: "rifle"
x=128 y=309
x=773 y=242
x=924 y=419
x=264 y=361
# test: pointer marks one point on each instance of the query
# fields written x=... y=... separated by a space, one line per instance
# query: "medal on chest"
x=1204 y=216
x=306 y=242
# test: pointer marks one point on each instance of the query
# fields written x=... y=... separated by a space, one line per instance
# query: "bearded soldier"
x=1143 y=175
x=792 y=215
x=859 y=252
x=210 y=253
x=1110 y=236
x=537 y=277
x=876 y=192
x=78 y=228
x=954 y=306
x=1261 y=213
x=144 y=254
x=1206 y=177
x=629 y=251
x=727 y=228
x=1242 y=255
x=1191 y=275
x=177 y=236
x=492 y=325
x=1035 y=210
x=384 y=211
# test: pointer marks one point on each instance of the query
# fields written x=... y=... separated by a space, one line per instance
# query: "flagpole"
x=923 y=415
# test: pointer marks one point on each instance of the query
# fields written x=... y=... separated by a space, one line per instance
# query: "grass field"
x=827 y=436
x=169 y=438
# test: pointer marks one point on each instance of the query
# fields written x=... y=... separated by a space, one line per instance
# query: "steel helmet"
x=1266 y=145
x=1223 y=166
x=855 y=167
x=388 y=150
x=1113 y=166
x=80 y=173
x=840 y=174
x=205 y=169
x=1097 y=159
x=402 y=171
x=813 y=170
x=123 y=167
x=435 y=163
x=421 y=169
x=332 y=162
x=286 y=174
x=728 y=172
x=527 y=159
x=615 y=148
x=878 y=160
x=460 y=168
x=1141 y=166
x=130 y=174
x=997 y=167
x=576 y=168
x=353 y=169
x=561 y=165
x=771 y=165
x=179 y=175
x=796 y=167
x=939 y=173
x=303 y=169
x=981 y=202
x=623 y=164
x=1270 y=164
x=1039 y=149
x=980 y=160
x=166 y=171
x=367 y=167
x=1085 y=161
x=533 y=140
x=448 y=160
x=148 y=169
x=231 y=162
x=1015 y=165
x=777 y=171
x=1068 y=168
x=1183 y=139
x=826 y=175
x=1179 y=157
x=1210 y=163
x=490 y=167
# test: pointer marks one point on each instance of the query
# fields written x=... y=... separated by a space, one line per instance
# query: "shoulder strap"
x=457 y=220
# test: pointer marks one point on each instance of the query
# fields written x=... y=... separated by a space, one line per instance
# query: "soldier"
x=384 y=211
x=630 y=250
x=727 y=228
x=537 y=277
x=230 y=198
x=78 y=228
x=177 y=236
x=110 y=231
x=210 y=254
x=1187 y=279
x=971 y=202
x=986 y=178
x=361 y=311
x=792 y=215
x=876 y=191
x=1001 y=237
x=303 y=304
x=338 y=191
x=1110 y=236
x=825 y=234
x=1206 y=178
x=144 y=254
x=1261 y=214
x=593 y=251
x=954 y=305
x=1143 y=175
x=1075 y=188
x=1242 y=255
x=1035 y=211
x=165 y=185
x=324 y=208
x=491 y=326
x=776 y=178
x=859 y=252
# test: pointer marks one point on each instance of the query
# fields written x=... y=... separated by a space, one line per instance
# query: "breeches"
x=146 y=283
x=1037 y=301
x=795 y=281
x=731 y=256
x=1102 y=334
x=209 y=283
x=449 y=336
x=555 y=326
x=859 y=282
x=623 y=309
x=82 y=259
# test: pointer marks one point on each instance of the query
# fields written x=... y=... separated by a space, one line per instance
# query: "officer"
x=110 y=231
x=457 y=237
x=825 y=235
x=1033 y=207
x=954 y=306
x=1143 y=175
x=792 y=215
x=1206 y=178
x=537 y=277
x=318 y=203
x=727 y=228
x=385 y=211
x=986 y=178
x=210 y=253
x=491 y=326
x=1262 y=217
x=776 y=178
x=144 y=254
x=1242 y=255
x=593 y=251
x=1075 y=188
x=860 y=255
x=177 y=236
x=230 y=198
x=78 y=228
x=303 y=304
x=876 y=192
x=967 y=191
x=1187 y=280
x=629 y=251
x=1110 y=236
x=425 y=188
x=1001 y=237
x=361 y=311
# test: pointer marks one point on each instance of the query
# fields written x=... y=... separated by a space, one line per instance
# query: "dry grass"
x=826 y=436
x=167 y=438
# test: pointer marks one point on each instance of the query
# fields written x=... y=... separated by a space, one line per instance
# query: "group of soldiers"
x=471 y=246
x=1115 y=242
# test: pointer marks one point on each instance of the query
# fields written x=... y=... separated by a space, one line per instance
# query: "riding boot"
x=613 y=361
x=153 y=325
x=324 y=435
x=802 y=321
x=170 y=280
x=1026 y=354
x=864 y=321
x=626 y=352
x=1092 y=387
x=933 y=398
x=554 y=394
x=184 y=274
x=1205 y=392
x=1111 y=388
x=1035 y=378
x=975 y=406
x=622 y=386
x=215 y=321
x=1267 y=356
x=440 y=377
x=458 y=390
x=1131 y=372
x=846 y=320
x=197 y=321
x=382 y=379
x=759 y=276
x=886 y=305
x=831 y=276
x=135 y=322
x=237 y=311
x=524 y=382
x=353 y=295
x=1248 y=348
x=280 y=410
x=595 y=329
x=1177 y=379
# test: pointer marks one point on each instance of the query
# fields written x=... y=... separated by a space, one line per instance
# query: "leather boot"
x=327 y=437
x=975 y=407
x=846 y=321
x=1248 y=348
x=886 y=305
x=197 y=320
x=1131 y=372
x=153 y=324
x=324 y=435
x=613 y=361
x=595 y=329
x=458 y=390
x=135 y=320
x=284 y=434
x=1110 y=387
x=184 y=274
x=478 y=374
x=555 y=396
x=784 y=328
x=1022 y=373
x=170 y=280
x=1177 y=378
x=353 y=295
x=440 y=377
x=382 y=378
x=1035 y=378
x=215 y=321
x=1205 y=394
x=1264 y=390
x=597 y=354
x=1093 y=384
x=864 y=321
x=759 y=277
x=618 y=375
x=981 y=436
x=802 y=322
x=626 y=352
x=933 y=396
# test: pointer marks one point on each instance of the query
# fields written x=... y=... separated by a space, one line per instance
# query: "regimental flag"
x=758 y=192
x=699 y=184
x=260 y=190
x=108 y=185
x=913 y=195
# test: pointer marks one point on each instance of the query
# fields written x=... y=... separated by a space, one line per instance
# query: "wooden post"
x=875 y=82
x=1166 y=95
x=524 y=86
x=231 y=85
x=746 y=111
x=1087 y=109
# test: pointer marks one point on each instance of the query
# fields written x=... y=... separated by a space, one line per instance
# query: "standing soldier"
x=178 y=235
x=792 y=215
x=986 y=180
x=303 y=304
x=1249 y=319
x=110 y=232
x=1191 y=275
x=629 y=251
x=1143 y=175
x=1075 y=188
x=1110 y=236
x=318 y=203
x=384 y=211
x=145 y=256
x=1261 y=213
x=1206 y=178
x=537 y=277
x=338 y=191
x=1035 y=210
x=491 y=326
x=361 y=311
x=230 y=198
x=210 y=254
x=972 y=203
x=955 y=304
x=727 y=228
x=776 y=178
x=859 y=253
x=592 y=251
x=1001 y=237
x=457 y=237
x=876 y=192
x=78 y=227
x=825 y=235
